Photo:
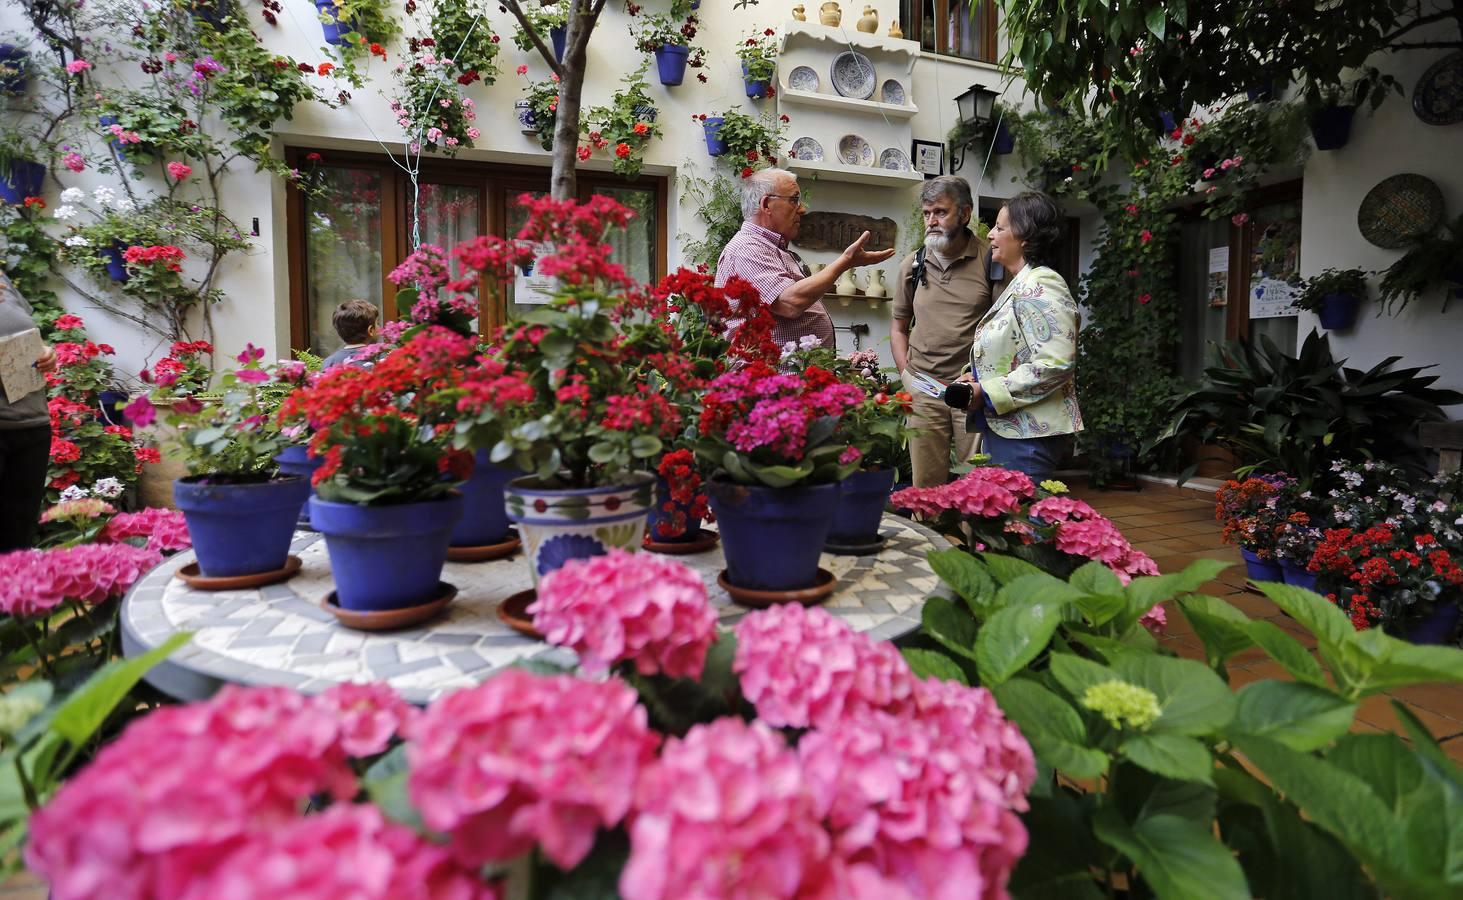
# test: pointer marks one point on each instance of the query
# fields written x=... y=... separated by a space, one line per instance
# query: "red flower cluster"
x=634 y=412
x=1380 y=573
x=169 y=256
x=678 y=468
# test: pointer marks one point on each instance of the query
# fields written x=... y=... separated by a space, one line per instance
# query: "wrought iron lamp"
x=975 y=106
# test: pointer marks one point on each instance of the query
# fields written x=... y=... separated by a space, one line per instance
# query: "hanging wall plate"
x=1438 y=97
x=853 y=75
x=1399 y=211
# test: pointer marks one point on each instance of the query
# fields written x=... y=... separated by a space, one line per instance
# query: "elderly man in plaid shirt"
x=772 y=209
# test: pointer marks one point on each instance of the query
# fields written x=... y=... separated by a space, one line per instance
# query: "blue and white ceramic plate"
x=893 y=92
x=853 y=75
x=855 y=151
x=803 y=78
x=895 y=159
x=805 y=148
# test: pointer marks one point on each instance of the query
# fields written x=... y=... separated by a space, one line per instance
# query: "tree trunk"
x=563 y=185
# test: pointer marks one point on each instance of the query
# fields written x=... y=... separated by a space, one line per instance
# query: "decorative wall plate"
x=807 y=149
x=853 y=75
x=1438 y=97
x=892 y=92
x=895 y=159
x=1399 y=210
x=803 y=78
x=855 y=151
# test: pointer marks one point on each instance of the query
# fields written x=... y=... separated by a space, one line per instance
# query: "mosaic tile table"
x=279 y=635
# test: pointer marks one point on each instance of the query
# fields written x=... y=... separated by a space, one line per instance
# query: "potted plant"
x=627 y=125
x=1330 y=109
x=463 y=32
x=429 y=105
x=669 y=38
x=1252 y=511
x=747 y=143
x=1434 y=262
x=386 y=498
x=547 y=18
x=240 y=512
x=20 y=175
x=1335 y=296
x=14 y=69
x=1295 y=545
x=538 y=111
x=357 y=27
x=876 y=427
x=758 y=54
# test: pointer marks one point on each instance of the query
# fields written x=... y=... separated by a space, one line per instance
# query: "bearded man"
x=942 y=292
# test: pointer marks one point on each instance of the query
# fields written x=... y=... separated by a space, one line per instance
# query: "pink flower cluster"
x=164 y=530
x=984 y=492
x=169 y=803
x=636 y=606
x=33 y=582
x=754 y=408
x=524 y=760
x=426 y=269
x=802 y=667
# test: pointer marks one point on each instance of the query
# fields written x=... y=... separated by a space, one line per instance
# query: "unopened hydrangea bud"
x=16 y=711
x=1124 y=705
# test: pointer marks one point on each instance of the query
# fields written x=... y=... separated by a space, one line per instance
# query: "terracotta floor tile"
x=1188 y=648
x=1256 y=606
x=1378 y=711
x=1147 y=520
x=1192 y=515
x=1442 y=699
x=1454 y=749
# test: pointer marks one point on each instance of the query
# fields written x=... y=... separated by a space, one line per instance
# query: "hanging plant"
x=626 y=127
x=429 y=105
x=462 y=34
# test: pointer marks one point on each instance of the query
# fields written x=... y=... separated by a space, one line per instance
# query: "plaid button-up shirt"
x=760 y=255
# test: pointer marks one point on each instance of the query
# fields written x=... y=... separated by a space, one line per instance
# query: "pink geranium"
x=178 y=171
x=524 y=760
x=33 y=582
x=725 y=812
x=636 y=606
x=77 y=66
x=74 y=161
x=803 y=667
x=164 y=530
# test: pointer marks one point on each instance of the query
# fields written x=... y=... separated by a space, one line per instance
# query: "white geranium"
x=104 y=195
x=64 y=212
x=124 y=204
x=77 y=240
x=108 y=488
x=75 y=492
x=73 y=195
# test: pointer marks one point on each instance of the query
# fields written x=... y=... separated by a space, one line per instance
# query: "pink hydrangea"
x=524 y=760
x=973 y=494
x=369 y=715
x=802 y=667
x=1155 y=620
x=931 y=799
x=349 y=850
x=1095 y=538
x=164 y=530
x=1061 y=509
x=725 y=812
x=181 y=789
x=635 y=606
x=1018 y=483
x=33 y=582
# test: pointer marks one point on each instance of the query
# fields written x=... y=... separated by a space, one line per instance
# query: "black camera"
x=957 y=395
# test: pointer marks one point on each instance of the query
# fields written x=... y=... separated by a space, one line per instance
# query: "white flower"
x=75 y=492
x=104 y=195
x=124 y=204
x=809 y=342
x=77 y=240
x=108 y=488
x=65 y=212
x=73 y=195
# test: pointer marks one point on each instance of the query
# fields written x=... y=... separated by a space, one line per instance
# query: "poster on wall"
x=1217 y=286
x=1271 y=298
x=1274 y=264
x=531 y=286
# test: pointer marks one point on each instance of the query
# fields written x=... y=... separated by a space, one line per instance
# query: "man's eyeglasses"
x=794 y=199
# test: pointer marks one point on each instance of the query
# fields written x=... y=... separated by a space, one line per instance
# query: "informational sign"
x=1271 y=298
x=1217 y=286
x=533 y=287
x=18 y=355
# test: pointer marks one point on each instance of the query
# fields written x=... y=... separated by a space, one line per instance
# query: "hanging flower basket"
x=755 y=89
x=714 y=144
x=1331 y=127
x=670 y=63
x=23 y=178
x=14 y=66
x=557 y=35
x=1338 y=311
x=1004 y=142
x=335 y=30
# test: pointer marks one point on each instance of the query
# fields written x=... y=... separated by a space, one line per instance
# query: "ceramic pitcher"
x=870 y=20
x=845 y=284
x=876 y=287
x=799 y=13
x=829 y=13
x=894 y=30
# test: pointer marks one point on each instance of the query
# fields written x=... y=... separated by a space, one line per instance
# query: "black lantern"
x=976 y=107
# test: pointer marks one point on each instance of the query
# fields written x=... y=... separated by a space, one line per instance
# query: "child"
x=355 y=322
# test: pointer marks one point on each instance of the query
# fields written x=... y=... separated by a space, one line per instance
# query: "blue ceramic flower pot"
x=772 y=537
x=1296 y=575
x=527 y=121
x=22 y=179
x=670 y=63
x=560 y=524
x=1004 y=142
x=116 y=262
x=335 y=30
x=297 y=460
x=666 y=516
x=386 y=557
x=110 y=405
x=755 y=89
x=1331 y=127
x=484 y=518
x=1436 y=627
x=240 y=529
x=861 y=502
x=1338 y=311
x=1166 y=123
x=16 y=63
x=1261 y=569
x=714 y=144
x=557 y=34
x=646 y=113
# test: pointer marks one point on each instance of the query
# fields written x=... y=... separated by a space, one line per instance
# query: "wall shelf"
x=842 y=36
x=846 y=104
x=827 y=171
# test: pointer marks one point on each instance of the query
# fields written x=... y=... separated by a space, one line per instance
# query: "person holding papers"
x=25 y=433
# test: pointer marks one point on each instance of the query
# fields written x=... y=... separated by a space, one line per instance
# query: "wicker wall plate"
x=1438 y=97
x=1399 y=210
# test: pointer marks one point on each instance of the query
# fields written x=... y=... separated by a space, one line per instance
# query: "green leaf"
x=644 y=445
x=1052 y=726
x=1318 y=615
x=932 y=664
x=1194 y=700
x=1099 y=609
x=1176 y=857
x=602 y=452
x=1007 y=569
x=385 y=782
x=1148 y=591
x=1287 y=651
x=90 y=705
x=1013 y=637
x=949 y=625
x=966 y=576
x=1096 y=578
x=1223 y=629
x=1076 y=674
x=1386 y=764
x=1171 y=755
x=1300 y=716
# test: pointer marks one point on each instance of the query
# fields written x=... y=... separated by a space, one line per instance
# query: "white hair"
x=757 y=186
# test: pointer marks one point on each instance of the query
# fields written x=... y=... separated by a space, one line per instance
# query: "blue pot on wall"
x=1331 y=127
x=861 y=502
x=386 y=557
x=755 y=89
x=557 y=35
x=1166 y=123
x=1004 y=142
x=297 y=460
x=116 y=262
x=16 y=64
x=665 y=515
x=772 y=537
x=23 y=178
x=1338 y=311
x=240 y=529
x=714 y=144
x=110 y=405
x=484 y=519
x=670 y=63
x=1261 y=569
x=334 y=29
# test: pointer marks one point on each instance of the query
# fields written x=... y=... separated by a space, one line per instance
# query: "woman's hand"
x=967 y=377
x=47 y=361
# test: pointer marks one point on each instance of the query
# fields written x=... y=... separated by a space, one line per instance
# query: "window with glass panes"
x=346 y=238
x=951 y=28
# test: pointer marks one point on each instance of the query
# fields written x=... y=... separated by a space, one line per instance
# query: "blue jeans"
x=1037 y=457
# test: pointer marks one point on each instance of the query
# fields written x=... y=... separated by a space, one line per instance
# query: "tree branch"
x=1416 y=23
x=1429 y=45
x=533 y=36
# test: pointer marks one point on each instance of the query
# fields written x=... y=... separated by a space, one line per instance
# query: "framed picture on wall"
x=929 y=158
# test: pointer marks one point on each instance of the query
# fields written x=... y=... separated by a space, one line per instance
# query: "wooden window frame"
x=989 y=51
x=498 y=184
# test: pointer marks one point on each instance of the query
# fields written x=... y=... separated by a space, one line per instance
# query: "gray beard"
x=945 y=244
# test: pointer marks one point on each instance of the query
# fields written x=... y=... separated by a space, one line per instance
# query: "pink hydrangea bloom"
x=370 y=715
x=524 y=760
x=973 y=494
x=725 y=812
x=1095 y=538
x=802 y=667
x=33 y=582
x=165 y=530
x=1155 y=620
x=1018 y=483
x=181 y=789
x=1061 y=509
x=349 y=850
x=636 y=606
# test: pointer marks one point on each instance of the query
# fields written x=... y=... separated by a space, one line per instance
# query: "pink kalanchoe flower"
x=370 y=715
x=165 y=530
x=33 y=582
x=636 y=606
x=178 y=171
x=527 y=760
x=349 y=850
x=803 y=667
x=725 y=812
x=74 y=161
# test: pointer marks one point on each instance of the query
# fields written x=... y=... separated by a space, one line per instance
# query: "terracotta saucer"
x=514 y=613
x=863 y=548
x=486 y=551
x=825 y=585
x=391 y=619
x=706 y=541
x=190 y=576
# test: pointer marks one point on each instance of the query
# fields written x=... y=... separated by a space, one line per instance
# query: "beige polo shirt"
x=945 y=309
